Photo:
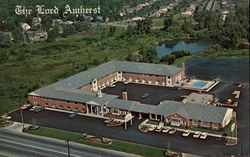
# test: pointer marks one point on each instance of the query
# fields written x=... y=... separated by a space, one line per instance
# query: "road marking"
x=49 y=150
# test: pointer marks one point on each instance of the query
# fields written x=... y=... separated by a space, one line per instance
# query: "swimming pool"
x=199 y=84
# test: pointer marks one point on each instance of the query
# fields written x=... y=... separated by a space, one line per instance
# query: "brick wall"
x=145 y=77
x=106 y=79
x=53 y=103
x=181 y=73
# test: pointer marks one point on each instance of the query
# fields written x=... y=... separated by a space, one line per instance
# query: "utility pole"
x=22 y=117
x=67 y=142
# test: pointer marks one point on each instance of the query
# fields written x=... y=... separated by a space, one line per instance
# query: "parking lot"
x=156 y=94
x=97 y=127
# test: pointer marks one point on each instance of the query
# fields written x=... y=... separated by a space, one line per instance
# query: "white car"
x=25 y=106
x=112 y=85
x=32 y=108
x=108 y=120
x=159 y=127
x=203 y=136
x=151 y=128
x=165 y=130
x=197 y=134
x=6 y=117
x=186 y=133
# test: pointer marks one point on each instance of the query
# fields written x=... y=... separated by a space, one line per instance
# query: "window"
x=68 y=108
x=76 y=108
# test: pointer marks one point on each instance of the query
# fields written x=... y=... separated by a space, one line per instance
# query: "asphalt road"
x=24 y=145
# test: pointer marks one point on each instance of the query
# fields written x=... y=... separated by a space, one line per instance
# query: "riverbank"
x=244 y=53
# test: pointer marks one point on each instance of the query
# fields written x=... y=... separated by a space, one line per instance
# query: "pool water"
x=199 y=84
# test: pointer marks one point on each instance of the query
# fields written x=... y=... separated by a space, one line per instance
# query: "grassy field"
x=213 y=53
x=132 y=148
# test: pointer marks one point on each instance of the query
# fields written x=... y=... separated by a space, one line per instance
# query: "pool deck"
x=207 y=87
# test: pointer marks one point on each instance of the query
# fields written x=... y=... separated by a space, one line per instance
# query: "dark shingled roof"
x=191 y=111
x=86 y=77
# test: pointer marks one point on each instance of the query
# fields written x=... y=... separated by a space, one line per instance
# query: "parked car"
x=216 y=100
x=151 y=128
x=197 y=134
x=165 y=130
x=145 y=95
x=25 y=106
x=179 y=88
x=72 y=115
x=203 y=136
x=112 y=85
x=108 y=120
x=159 y=127
x=32 y=108
x=38 y=109
x=172 y=131
x=186 y=133
x=6 y=117
x=144 y=128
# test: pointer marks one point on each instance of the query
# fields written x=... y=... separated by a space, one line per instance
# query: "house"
x=187 y=14
x=6 y=37
x=38 y=35
x=25 y=26
x=36 y=21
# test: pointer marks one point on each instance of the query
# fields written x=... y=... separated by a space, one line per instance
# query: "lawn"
x=226 y=131
x=118 y=145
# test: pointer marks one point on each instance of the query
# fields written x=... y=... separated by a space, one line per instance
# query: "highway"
x=16 y=144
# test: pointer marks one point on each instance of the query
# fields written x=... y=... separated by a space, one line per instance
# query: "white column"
x=91 y=109
x=140 y=117
x=87 y=109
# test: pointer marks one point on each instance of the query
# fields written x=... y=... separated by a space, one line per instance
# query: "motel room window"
x=68 y=108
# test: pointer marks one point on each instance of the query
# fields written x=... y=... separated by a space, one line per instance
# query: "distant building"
x=6 y=36
x=25 y=26
x=187 y=14
x=36 y=21
x=38 y=35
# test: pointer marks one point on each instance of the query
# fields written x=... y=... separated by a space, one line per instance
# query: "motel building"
x=82 y=93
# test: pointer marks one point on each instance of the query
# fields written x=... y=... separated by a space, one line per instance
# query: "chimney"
x=124 y=95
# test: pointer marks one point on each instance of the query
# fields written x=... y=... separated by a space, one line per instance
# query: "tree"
x=144 y=26
x=149 y=55
x=168 y=22
x=69 y=29
x=187 y=27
